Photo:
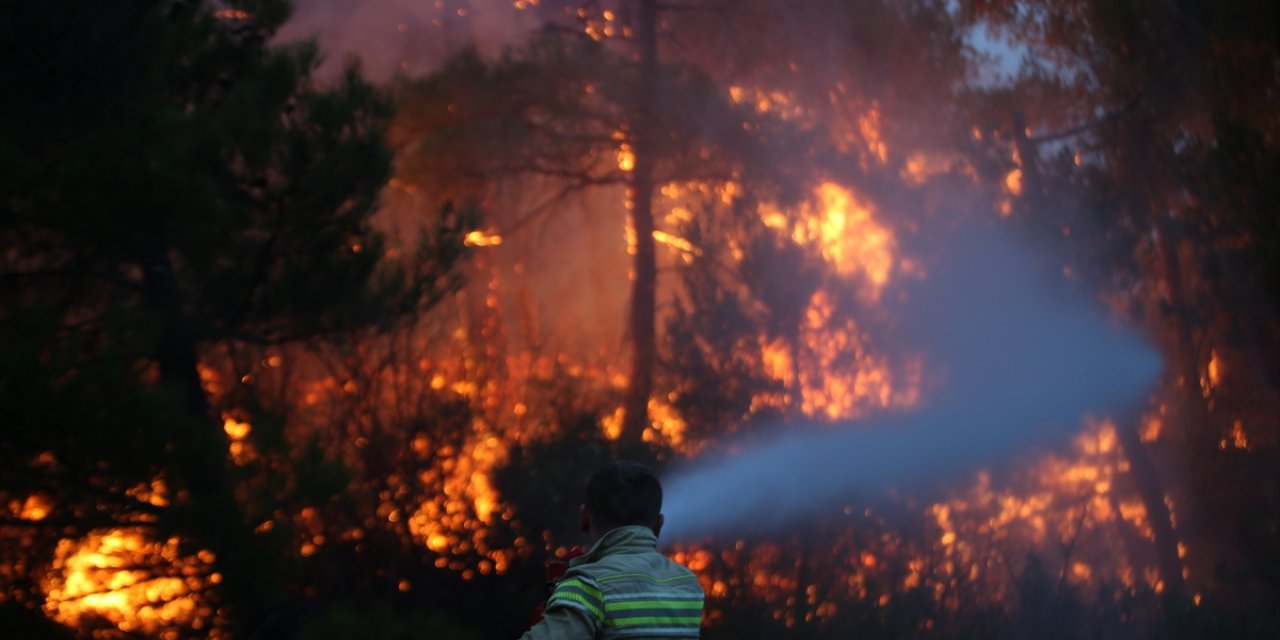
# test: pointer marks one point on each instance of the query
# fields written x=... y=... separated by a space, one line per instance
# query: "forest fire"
x=363 y=338
x=140 y=585
x=135 y=584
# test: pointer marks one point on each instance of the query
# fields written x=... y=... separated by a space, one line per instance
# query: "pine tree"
x=171 y=183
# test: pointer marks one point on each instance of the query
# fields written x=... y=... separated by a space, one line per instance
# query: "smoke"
x=407 y=37
x=1022 y=358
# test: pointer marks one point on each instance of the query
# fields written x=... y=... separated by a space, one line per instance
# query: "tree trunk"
x=1149 y=489
x=644 y=285
x=1196 y=413
x=211 y=516
x=1028 y=158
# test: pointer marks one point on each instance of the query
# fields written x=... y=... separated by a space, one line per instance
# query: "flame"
x=980 y=539
x=35 y=507
x=768 y=101
x=137 y=584
x=666 y=427
x=480 y=238
x=237 y=432
x=831 y=373
x=456 y=510
x=611 y=425
x=154 y=493
x=1013 y=182
x=1212 y=376
x=843 y=378
x=844 y=231
x=921 y=167
x=1236 y=438
x=235 y=429
x=686 y=249
x=626 y=158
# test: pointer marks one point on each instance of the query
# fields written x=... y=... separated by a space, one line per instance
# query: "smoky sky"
x=406 y=37
x=1020 y=359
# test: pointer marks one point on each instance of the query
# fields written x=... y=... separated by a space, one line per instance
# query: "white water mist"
x=1024 y=359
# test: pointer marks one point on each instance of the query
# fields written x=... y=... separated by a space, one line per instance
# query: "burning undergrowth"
x=791 y=213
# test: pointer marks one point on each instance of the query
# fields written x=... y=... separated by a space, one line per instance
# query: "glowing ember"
x=1013 y=182
x=685 y=248
x=626 y=158
x=1212 y=376
x=922 y=167
x=237 y=432
x=1237 y=438
x=480 y=238
x=869 y=125
x=232 y=14
x=235 y=429
x=35 y=508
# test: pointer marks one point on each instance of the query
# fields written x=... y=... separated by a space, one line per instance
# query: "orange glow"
x=611 y=425
x=666 y=427
x=922 y=167
x=682 y=246
x=1005 y=207
x=235 y=429
x=458 y=519
x=480 y=238
x=35 y=508
x=626 y=158
x=869 y=125
x=843 y=229
x=232 y=14
x=981 y=538
x=1065 y=499
x=1236 y=438
x=1212 y=376
x=1152 y=428
x=241 y=449
x=449 y=501
x=155 y=493
x=137 y=584
x=1013 y=182
x=766 y=101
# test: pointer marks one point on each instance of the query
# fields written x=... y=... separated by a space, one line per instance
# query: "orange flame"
x=137 y=584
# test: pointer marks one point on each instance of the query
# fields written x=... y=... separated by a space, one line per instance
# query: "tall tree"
x=170 y=183
x=1160 y=137
x=575 y=113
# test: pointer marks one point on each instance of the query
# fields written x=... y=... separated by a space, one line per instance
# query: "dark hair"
x=624 y=493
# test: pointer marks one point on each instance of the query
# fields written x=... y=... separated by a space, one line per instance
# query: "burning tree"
x=329 y=433
x=173 y=187
x=1153 y=144
x=571 y=113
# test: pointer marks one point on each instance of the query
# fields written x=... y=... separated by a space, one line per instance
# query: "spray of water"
x=1022 y=360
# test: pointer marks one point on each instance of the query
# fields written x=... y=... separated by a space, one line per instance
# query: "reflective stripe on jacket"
x=622 y=588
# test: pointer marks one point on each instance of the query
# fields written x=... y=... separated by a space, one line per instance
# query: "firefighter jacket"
x=622 y=588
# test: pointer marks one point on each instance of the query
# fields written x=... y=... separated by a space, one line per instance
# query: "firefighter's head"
x=620 y=494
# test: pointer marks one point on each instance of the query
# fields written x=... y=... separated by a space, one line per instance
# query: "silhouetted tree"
x=171 y=183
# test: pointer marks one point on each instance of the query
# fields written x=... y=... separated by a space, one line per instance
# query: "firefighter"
x=622 y=587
